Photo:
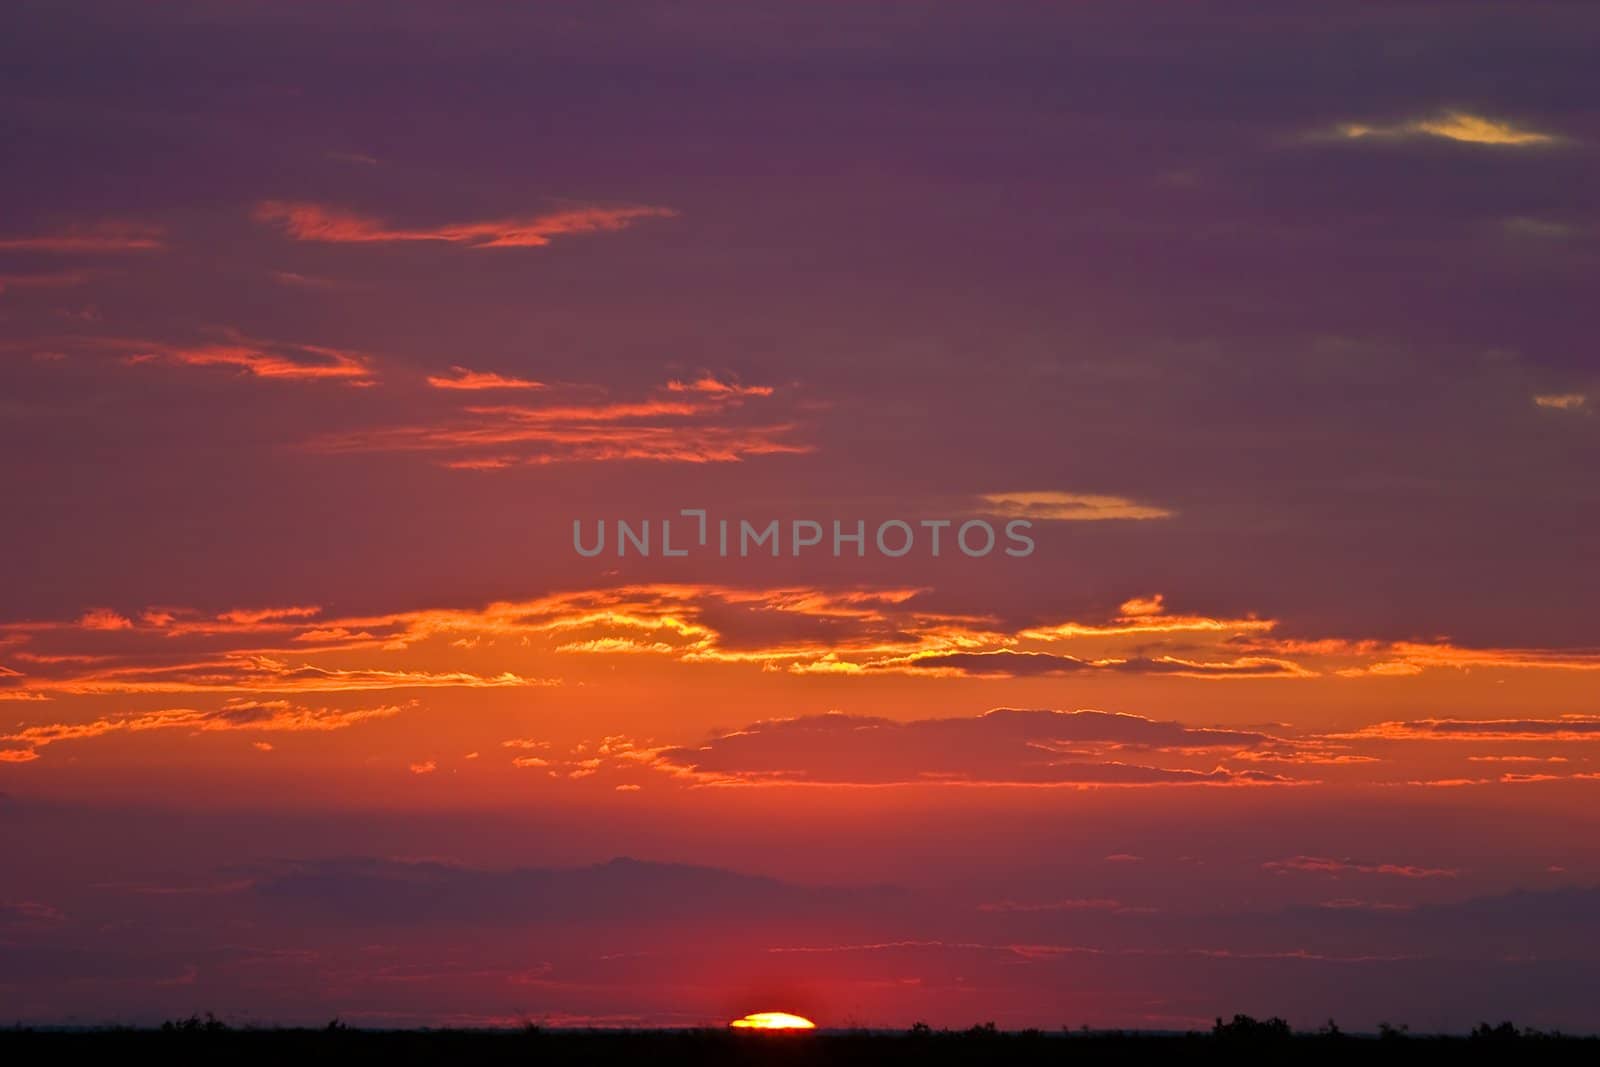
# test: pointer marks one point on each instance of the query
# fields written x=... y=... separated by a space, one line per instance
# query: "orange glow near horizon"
x=773 y=1020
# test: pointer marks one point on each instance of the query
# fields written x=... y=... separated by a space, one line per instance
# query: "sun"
x=773 y=1020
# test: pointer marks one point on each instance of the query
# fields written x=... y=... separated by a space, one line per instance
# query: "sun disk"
x=773 y=1020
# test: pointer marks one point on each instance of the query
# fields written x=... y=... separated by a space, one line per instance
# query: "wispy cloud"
x=1540 y=229
x=471 y=380
x=309 y=281
x=1070 y=904
x=1567 y=728
x=1009 y=663
x=270 y=360
x=1069 y=507
x=45 y=280
x=98 y=237
x=245 y=673
x=1562 y=401
x=252 y=715
x=717 y=387
x=306 y=221
x=1325 y=865
x=681 y=427
x=104 y=619
x=252 y=616
x=1459 y=126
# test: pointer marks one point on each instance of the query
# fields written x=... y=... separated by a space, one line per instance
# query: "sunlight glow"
x=773 y=1020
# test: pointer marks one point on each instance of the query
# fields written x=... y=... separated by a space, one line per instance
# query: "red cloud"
x=99 y=237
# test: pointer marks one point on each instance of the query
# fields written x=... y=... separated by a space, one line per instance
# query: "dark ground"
x=232 y=1047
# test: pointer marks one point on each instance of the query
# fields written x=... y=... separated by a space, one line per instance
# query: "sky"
x=325 y=328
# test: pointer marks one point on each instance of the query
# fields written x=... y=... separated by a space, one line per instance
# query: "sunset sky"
x=321 y=325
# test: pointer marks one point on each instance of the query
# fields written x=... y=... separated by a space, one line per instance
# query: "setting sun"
x=773 y=1020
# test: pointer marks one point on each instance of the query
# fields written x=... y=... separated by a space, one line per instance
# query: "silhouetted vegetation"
x=207 y=1039
x=1386 y=1032
x=1244 y=1028
x=194 y=1024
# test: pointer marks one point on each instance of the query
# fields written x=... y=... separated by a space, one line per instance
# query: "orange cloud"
x=249 y=617
x=1009 y=663
x=1459 y=126
x=716 y=387
x=103 y=619
x=99 y=237
x=273 y=360
x=278 y=716
x=683 y=428
x=1444 y=654
x=260 y=674
x=1054 y=506
x=1142 y=606
x=1562 y=401
x=1148 y=616
x=316 y=222
x=1567 y=728
x=475 y=380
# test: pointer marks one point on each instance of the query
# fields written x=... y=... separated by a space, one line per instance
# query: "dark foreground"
x=300 y=1047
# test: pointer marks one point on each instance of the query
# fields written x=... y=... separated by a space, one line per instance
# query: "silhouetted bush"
x=194 y=1024
x=1244 y=1028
